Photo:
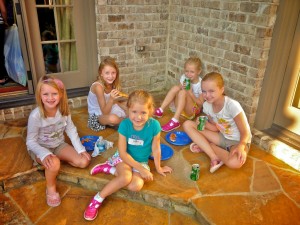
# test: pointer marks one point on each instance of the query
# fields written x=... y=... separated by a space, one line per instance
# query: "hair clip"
x=58 y=82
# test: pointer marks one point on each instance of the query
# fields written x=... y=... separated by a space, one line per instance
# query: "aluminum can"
x=187 y=84
x=202 y=121
x=101 y=146
x=195 y=172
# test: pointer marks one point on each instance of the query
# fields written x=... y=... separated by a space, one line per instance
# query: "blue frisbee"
x=166 y=152
x=89 y=142
x=181 y=138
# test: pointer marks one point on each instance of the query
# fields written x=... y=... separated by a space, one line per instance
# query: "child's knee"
x=114 y=119
x=136 y=186
x=125 y=180
x=55 y=166
x=187 y=124
x=234 y=164
x=83 y=162
x=175 y=88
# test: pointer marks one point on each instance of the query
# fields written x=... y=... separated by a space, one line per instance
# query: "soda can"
x=195 y=172
x=202 y=121
x=187 y=84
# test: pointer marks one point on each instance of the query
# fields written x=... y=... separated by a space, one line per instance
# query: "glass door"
x=57 y=35
x=61 y=44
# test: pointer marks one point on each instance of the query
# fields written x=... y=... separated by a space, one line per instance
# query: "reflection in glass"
x=69 y=56
x=296 y=100
x=50 y=52
x=65 y=23
x=46 y=20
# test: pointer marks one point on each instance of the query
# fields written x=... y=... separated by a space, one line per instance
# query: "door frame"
x=285 y=26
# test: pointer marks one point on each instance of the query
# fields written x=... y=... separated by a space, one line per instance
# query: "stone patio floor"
x=264 y=191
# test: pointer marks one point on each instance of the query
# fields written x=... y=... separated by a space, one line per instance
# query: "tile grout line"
x=282 y=189
x=19 y=208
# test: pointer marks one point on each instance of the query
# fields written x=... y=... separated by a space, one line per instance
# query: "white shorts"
x=117 y=110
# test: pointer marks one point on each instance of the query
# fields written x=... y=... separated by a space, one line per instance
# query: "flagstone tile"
x=179 y=219
x=263 y=179
x=224 y=180
x=14 y=157
x=32 y=198
x=267 y=209
x=114 y=211
x=290 y=182
x=10 y=213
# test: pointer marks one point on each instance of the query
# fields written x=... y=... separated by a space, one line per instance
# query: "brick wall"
x=135 y=33
x=231 y=37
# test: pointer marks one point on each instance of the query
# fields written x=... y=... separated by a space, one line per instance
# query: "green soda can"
x=202 y=121
x=195 y=172
x=187 y=84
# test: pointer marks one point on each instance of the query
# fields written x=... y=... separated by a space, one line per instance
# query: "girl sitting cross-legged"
x=139 y=135
x=226 y=137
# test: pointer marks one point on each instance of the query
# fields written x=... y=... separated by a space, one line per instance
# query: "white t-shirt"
x=196 y=88
x=224 y=119
x=46 y=133
x=94 y=108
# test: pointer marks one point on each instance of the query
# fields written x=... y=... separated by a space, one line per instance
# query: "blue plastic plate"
x=166 y=152
x=89 y=142
x=181 y=138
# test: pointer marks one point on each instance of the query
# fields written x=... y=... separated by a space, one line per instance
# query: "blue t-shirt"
x=139 y=142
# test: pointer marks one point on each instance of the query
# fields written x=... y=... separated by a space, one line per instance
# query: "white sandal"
x=216 y=167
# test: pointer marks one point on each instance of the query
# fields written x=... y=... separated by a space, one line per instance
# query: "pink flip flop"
x=195 y=148
x=53 y=200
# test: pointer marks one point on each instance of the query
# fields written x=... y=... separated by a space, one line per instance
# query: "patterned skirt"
x=93 y=123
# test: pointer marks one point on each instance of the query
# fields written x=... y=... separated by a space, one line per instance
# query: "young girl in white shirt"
x=226 y=137
x=103 y=99
x=45 y=134
x=183 y=101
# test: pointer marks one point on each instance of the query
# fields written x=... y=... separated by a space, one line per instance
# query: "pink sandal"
x=195 y=148
x=215 y=167
x=53 y=200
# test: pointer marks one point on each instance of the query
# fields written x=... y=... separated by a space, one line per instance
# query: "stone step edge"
x=143 y=197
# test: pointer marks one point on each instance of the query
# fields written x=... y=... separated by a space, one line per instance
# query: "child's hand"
x=163 y=170
x=48 y=162
x=146 y=175
x=85 y=154
x=114 y=93
x=240 y=152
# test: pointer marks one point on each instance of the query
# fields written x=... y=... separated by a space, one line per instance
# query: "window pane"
x=43 y=2
x=51 y=58
x=69 y=56
x=65 y=23
x=46 y=21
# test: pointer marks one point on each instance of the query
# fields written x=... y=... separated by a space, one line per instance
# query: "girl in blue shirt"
x=139 y=136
